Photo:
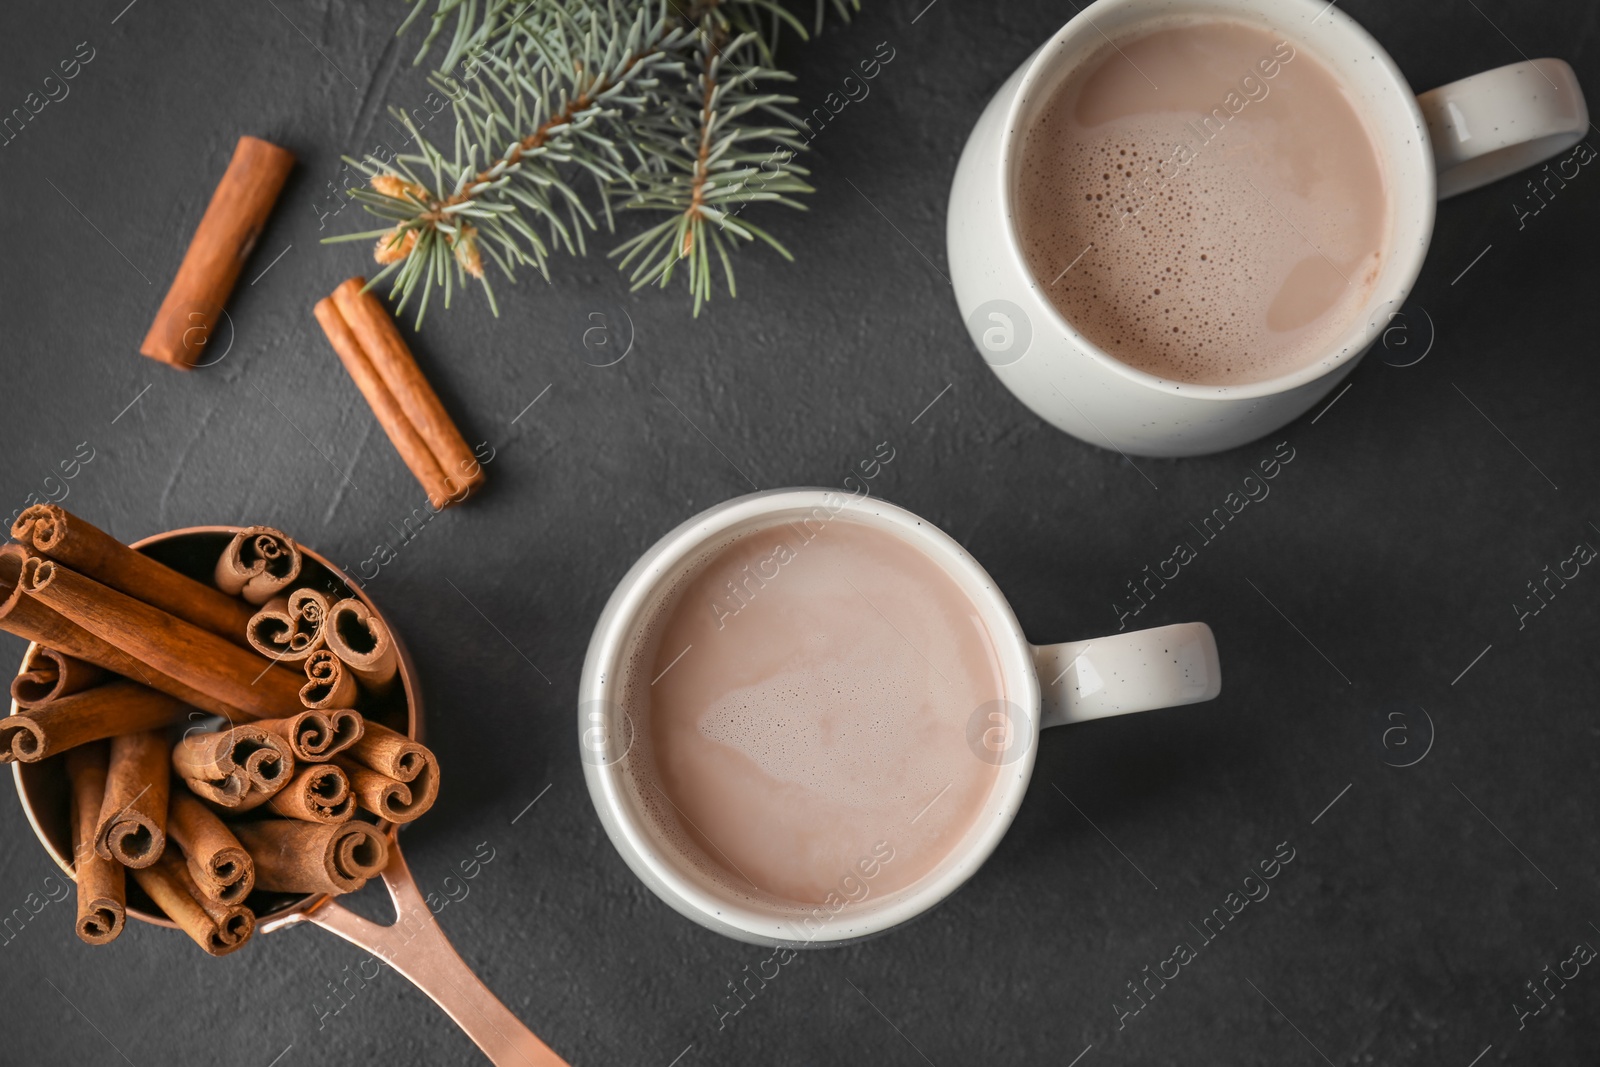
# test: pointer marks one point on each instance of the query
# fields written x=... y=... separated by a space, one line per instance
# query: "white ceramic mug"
x=1453 y=139
x=1045 y=685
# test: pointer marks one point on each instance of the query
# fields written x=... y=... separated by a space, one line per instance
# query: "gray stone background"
x=1378 y=580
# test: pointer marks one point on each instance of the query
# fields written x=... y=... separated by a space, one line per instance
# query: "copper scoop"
x=414 y=945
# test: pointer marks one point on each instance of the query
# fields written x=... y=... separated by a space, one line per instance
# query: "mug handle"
x=415 y=946
x=1139 y=671
x=1491 y=125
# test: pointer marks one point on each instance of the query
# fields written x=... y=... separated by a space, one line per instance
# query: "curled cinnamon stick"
x=222 y=242
x=132 y=827
x=412 y=448
x=258 y=563
x=306 y=857
x=228 y=793
x=203 y=662
x=316 y=736
x=288 y=629
x=387 y=798
x=32 y=620
x=120 y=707
x=393 y=776
x=399 y=395
x=329 y=684
x=49 y=675
x=218 y=928
x=319 y=792
x=218 y=863
x=237 y=767
x=56 y=533
x=392 y=753
x=102 y=900
x=362 y=641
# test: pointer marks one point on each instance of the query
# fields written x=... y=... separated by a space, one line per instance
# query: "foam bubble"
x=1192 y=241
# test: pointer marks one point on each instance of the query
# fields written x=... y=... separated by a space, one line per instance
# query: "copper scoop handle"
x=416 y=947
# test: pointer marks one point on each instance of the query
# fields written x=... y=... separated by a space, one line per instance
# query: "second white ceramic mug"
x=1045 y=685
x=1447 y=141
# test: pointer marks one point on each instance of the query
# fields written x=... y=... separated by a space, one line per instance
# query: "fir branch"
x=710 y=168
x=663 y=104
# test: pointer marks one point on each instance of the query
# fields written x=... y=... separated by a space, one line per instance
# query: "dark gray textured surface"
x=1414 y=512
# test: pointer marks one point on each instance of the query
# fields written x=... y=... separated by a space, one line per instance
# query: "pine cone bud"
x=389 y=250
x=466 y=250
x=397 y=187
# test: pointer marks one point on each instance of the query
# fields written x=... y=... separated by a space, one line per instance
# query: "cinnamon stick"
x=319 y=792
x=58 y=534
x=237 y=767
x=49 y=675
x=362 y=641
x=316 y=736
x=393 y=776
x=35 y=621
x=226 y=793
x=102 y=892
x=218 y=863
x=412 y=448
x=217 y=928
x=387 y=798
x=397 y=372
x=120 y=707
x=329 y=684
x=132 y=827
x=203 y=662
x=221 y=243
x=289 y=628
x=306 y=857
x=392 y=753
x=257 y=563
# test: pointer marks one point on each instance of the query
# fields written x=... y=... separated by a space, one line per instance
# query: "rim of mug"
x=1071 y=39
x=658 y=865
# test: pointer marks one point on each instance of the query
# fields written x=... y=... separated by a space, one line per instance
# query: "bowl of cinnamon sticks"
x=211 y=729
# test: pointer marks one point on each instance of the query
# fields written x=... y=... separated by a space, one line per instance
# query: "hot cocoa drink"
x=802 y=710
x=1201 y=199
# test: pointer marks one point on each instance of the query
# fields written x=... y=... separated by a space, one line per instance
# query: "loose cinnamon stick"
x=58 y=534
x=227 y=232
x=412 y=448
x=217 y=928
x=120 y=707
x=289 y=628
x=316 y=736
x=102 y=892
x=258 y=563
x=132 y=827
x=330 y=684
x=385 y=349
x=200 y=660
x=35 y=621
x=306 y=857
x=357 y=636
x=387 y=798
x=237 y=767
x=218 y=863
x=319 y=792
x=50 y=675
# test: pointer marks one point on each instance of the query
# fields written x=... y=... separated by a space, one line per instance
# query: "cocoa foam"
x=1202 y=200
x=803 y=731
